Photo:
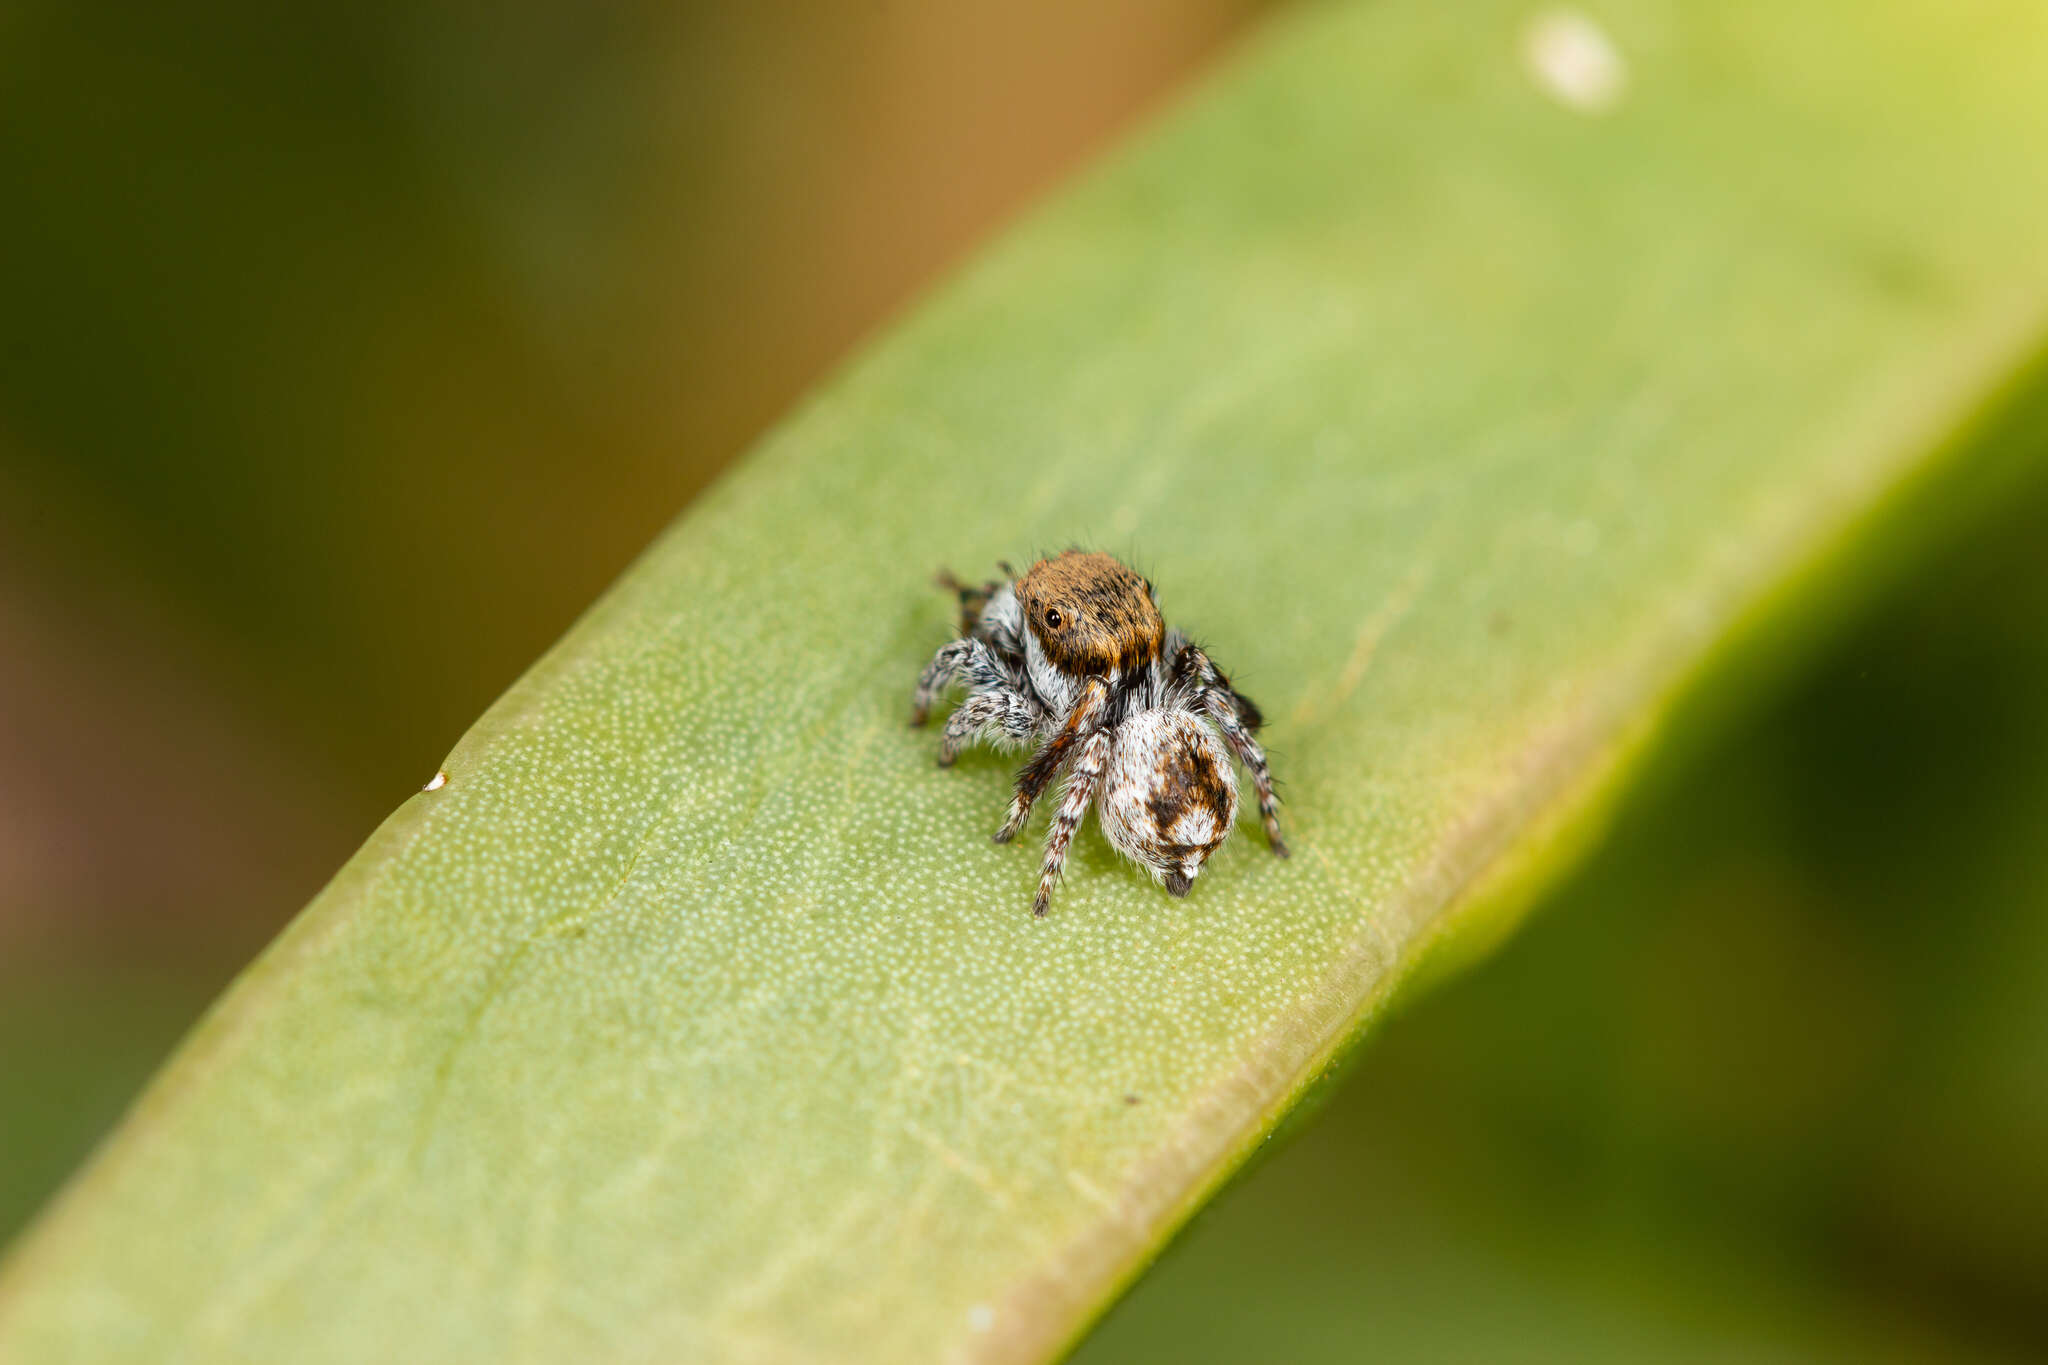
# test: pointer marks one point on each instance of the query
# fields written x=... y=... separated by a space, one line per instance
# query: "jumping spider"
x=1074 y=659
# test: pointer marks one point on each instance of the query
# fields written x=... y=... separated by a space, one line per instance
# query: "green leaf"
x=1465 y=417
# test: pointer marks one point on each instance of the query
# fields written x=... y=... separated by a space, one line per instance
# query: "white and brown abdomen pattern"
x=1170 y=796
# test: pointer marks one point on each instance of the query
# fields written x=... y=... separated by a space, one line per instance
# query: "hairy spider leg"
x=973 y=598
x=1002 y=714
x=1086 y=717
x=968 y=659
x=1214 y=692
x=1082 y=779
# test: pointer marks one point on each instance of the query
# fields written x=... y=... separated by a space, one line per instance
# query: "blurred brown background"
x=346 y=355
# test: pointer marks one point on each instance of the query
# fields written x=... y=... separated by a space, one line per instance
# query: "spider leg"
x=968 y=660
x=1085 y=718
x=1236 y=717
x=1082 y=779
x=972 y=598
x=999 y=714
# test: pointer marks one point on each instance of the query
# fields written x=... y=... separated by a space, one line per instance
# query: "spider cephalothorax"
x=1090 y=614
x=1074 y=659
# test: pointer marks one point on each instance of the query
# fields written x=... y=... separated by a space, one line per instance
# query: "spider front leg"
x=967 y=660
x=1082 y=780
x=1000 y=714
x=1236 y=717
x=1086 y=717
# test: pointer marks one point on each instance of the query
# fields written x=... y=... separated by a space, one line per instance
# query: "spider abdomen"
x=1169 y=796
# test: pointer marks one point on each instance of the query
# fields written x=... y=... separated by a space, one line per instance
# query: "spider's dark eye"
x=1052 y=619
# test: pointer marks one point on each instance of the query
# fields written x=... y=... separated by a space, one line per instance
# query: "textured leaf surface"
x=696 y=1017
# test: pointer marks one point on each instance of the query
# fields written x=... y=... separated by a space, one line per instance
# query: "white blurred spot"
x=1572 y=60
x=436 y=782
x=981 y=1317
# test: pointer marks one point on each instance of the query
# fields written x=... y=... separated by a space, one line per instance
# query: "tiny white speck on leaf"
x=436 y=782
x=981 y=1317
x=1572 y=60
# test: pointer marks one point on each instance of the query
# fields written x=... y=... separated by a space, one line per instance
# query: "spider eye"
x=1052 y=619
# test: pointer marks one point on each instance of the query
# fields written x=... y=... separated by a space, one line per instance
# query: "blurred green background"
x=344 y=356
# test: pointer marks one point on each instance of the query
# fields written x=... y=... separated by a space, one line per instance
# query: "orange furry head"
x=1090 y=613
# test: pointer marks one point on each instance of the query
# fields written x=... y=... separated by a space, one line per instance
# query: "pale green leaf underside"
x=697 y=1018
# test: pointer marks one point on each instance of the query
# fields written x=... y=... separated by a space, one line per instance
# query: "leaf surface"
x=696 y=1017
